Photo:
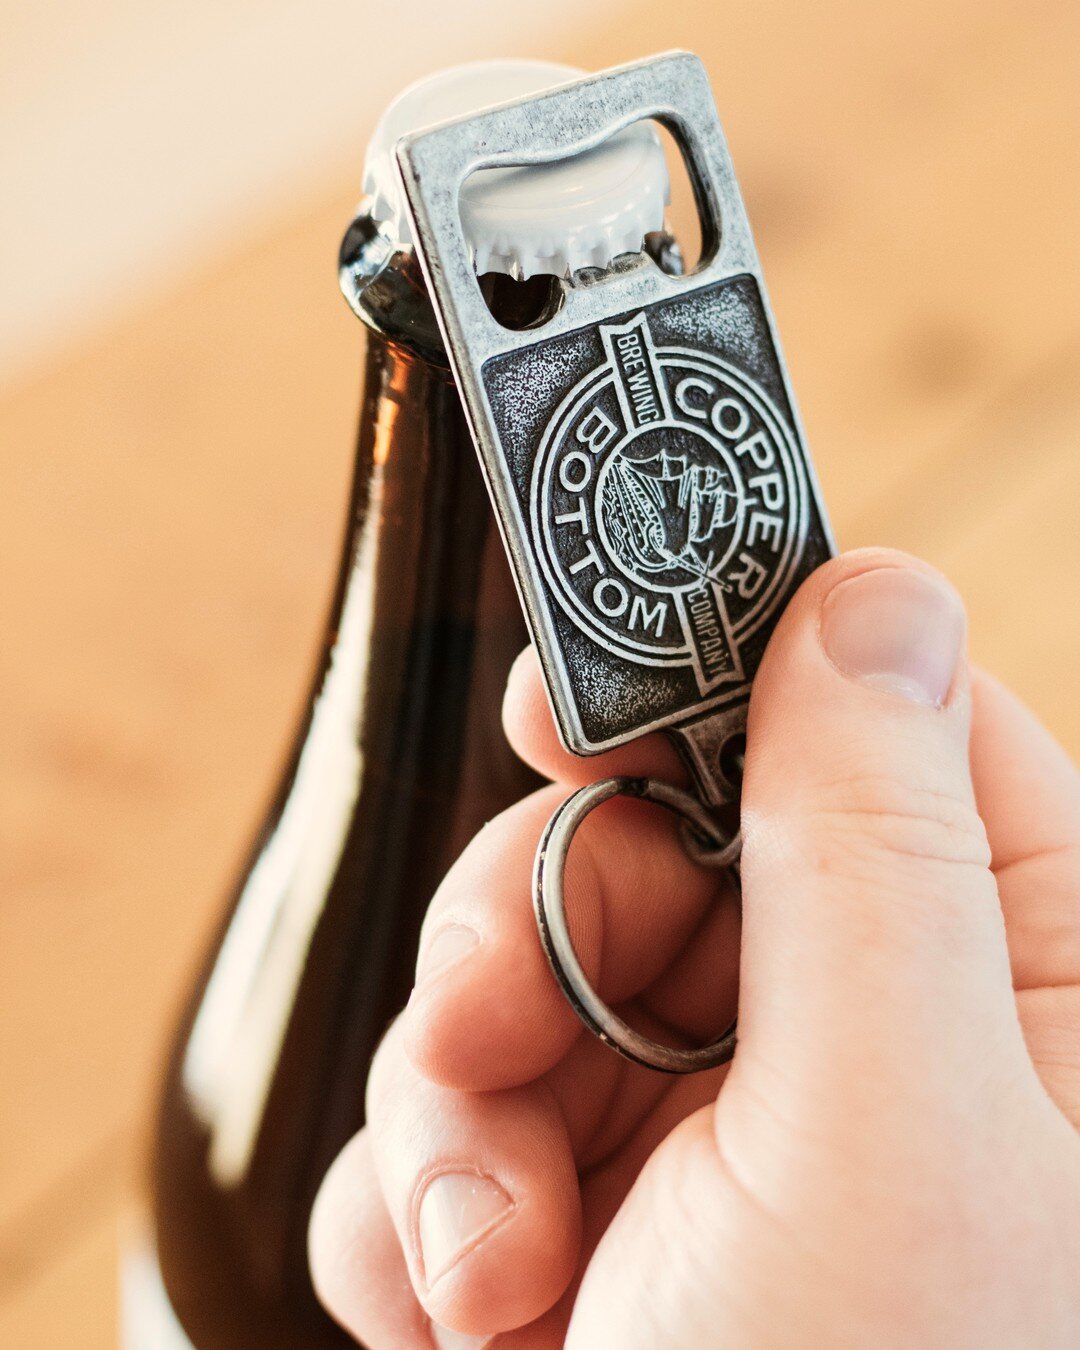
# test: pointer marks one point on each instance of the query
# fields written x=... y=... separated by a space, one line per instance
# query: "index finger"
x=530 y=729
x=487 y=1012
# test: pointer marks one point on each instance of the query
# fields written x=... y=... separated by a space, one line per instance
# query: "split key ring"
x=706 y=844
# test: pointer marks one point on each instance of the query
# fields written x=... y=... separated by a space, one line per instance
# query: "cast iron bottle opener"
x=647 y=465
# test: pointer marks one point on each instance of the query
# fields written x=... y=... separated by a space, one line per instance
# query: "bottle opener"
x=647 y=466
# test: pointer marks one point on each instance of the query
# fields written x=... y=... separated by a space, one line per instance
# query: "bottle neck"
x=385 y=288
x=398 y=762
x=408 y=433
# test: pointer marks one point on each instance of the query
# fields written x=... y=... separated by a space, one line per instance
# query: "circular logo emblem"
x=669 y=506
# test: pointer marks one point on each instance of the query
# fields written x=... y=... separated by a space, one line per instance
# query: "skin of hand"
x=891 y=1160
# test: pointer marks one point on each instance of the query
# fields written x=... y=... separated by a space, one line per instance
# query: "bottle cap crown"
x=548 y=219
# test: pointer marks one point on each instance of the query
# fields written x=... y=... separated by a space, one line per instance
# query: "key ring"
x=707 y=845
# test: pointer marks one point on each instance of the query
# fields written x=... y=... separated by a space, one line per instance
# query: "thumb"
x=878 y=1037
x=873 y=937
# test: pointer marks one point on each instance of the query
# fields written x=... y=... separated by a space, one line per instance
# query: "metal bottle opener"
x=647 y=466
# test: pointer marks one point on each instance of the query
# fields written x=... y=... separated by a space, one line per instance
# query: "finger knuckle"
x=871 y=821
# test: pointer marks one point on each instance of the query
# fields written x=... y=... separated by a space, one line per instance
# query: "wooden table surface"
x=172 y=496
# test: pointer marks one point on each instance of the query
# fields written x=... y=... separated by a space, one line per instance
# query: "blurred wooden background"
x=176 y=450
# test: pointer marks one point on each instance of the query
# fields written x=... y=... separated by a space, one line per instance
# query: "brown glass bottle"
x=399 y=761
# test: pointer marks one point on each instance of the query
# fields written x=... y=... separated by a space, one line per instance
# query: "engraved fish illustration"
x=660 y=511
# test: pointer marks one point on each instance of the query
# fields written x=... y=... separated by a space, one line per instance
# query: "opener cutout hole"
x=683 y=218
x=731 y=759
x=534 y=231
x=520 y=305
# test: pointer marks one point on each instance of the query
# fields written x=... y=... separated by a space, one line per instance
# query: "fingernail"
x=446 y=1338
x=456 y=1210
x=445 y=946
x=895 y=629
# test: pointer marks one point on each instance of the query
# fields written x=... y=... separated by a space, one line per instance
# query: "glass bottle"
x=400 y=759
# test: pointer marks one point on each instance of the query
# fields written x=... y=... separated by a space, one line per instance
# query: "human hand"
x=892 y=1159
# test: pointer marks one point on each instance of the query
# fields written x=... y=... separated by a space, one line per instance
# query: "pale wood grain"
x=72 y=1304
x=173 y=495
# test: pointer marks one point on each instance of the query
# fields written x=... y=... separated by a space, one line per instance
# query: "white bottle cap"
x=548 y=219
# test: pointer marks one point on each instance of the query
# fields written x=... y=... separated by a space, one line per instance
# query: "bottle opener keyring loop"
x=710 y=848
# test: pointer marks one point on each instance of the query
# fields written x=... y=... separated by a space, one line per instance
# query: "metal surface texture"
x=642 y=445
x=644 y=454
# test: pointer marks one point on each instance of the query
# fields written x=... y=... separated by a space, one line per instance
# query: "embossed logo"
x=669 y=506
